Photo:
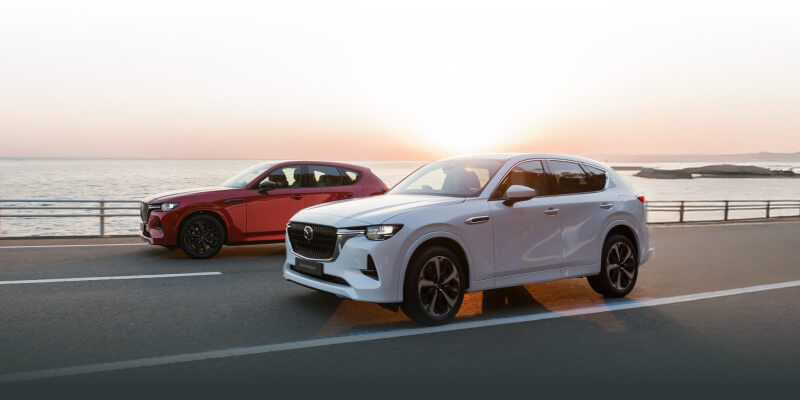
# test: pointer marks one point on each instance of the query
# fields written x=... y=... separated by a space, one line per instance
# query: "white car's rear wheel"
x=619 y=270
x=434 y=286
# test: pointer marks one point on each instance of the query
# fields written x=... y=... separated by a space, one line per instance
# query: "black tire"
x=445 y=292
x=615 y=280
x=201 y=236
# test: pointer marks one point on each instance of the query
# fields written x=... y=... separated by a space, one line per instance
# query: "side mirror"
x=265 y=186
x=518 y=193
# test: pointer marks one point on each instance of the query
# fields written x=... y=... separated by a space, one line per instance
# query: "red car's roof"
x=318 y=162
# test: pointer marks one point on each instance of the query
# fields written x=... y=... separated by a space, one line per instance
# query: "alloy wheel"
x=620 y=266
x=202 y=238
x=438 y=286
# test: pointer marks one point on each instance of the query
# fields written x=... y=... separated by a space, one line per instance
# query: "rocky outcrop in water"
x=654 y=173
x=716 y=171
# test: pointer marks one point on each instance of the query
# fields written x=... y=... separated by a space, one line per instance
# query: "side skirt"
x=549 y=275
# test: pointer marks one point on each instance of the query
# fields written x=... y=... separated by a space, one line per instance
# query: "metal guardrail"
x=681 y=207
x=725 y=207
x=101 y=208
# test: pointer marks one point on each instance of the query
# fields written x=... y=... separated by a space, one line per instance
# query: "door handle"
x=551 y=211
x=606 y=205
x=347 y=195
x=476 y=220
x=297 y=196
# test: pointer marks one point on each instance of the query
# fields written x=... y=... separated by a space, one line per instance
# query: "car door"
x=527 y=234
x=584 y=207
x=327 y=183
x=268 y=212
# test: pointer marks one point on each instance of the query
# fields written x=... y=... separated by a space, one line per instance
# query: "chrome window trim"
x=547 y=169
x=491 y=198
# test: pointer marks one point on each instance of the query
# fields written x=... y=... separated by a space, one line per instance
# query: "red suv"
x=252 y=207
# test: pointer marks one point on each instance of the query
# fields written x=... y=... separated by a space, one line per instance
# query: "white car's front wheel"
x=434 y=286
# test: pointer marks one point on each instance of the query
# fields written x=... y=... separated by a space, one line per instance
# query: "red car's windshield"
x=242 y=179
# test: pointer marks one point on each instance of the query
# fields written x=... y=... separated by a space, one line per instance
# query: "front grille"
x=322 y=244
x=144 y=211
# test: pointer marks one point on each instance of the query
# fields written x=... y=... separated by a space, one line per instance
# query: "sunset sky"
x=406 y=80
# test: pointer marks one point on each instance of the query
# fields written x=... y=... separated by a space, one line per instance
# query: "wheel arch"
x=445 y=239
x=624 y=229
x=211 y=213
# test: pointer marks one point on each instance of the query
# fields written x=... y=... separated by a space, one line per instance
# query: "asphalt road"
x=254 y=328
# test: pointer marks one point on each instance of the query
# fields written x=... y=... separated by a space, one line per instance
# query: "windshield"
x=242 y=179
x=462 y=178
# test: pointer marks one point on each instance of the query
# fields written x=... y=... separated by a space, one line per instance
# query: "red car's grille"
x=321 y=244
x=144 y=211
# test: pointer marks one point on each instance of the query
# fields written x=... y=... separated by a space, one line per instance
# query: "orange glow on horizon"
x=417 y=81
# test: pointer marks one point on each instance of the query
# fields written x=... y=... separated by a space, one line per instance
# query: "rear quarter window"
x=569 y=176
x=350 y=176
x=596 y=178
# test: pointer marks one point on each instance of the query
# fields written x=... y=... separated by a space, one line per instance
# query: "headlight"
x=168 y=206
x=382 y=232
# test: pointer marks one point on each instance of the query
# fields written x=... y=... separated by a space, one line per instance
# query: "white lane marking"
x=54 y=246
x=108 y=278
x=364 y=337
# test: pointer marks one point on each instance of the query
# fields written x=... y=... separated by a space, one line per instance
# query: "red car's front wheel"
x=202 y=236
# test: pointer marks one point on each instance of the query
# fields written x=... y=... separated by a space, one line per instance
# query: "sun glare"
x=447 y=136
x=463 y=125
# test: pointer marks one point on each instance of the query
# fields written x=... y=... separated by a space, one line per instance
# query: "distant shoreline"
x=710 y=158
x=607 y=158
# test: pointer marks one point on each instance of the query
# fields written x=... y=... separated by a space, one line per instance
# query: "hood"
x=175 y=194
x=376 y=209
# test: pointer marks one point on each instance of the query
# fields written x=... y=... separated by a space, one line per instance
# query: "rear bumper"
x=648 y=255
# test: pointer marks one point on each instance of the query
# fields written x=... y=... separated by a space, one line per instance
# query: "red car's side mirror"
x=266 y=186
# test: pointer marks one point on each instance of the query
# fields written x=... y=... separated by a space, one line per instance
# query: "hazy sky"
x=404 y=80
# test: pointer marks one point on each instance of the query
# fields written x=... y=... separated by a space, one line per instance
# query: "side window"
x=286 y=177
x=569 y=177
x=530 y=174
x=597 y=178
x=324 y=176
x=349 y=176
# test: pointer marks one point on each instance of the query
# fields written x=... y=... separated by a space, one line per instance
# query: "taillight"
x=641 y=198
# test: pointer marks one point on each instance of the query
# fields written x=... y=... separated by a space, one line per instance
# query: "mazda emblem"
x=308 y=233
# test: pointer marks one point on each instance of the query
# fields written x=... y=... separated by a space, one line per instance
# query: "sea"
x=133 y=179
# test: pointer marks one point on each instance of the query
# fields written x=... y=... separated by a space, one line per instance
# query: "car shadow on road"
x=355 y=317
x=350 y=317
x=509 y=301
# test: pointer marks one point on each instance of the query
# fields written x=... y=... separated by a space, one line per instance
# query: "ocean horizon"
x=133 y=179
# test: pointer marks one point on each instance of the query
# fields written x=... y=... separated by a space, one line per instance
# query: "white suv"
x=471 y=223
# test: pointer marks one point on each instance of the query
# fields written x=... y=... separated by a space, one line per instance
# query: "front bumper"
x=158 y=229
x=348 y=265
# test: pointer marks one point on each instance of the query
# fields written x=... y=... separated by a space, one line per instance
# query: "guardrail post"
x=768 y=206
x=726 y=210
x=681 y=212
x=102 y=218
